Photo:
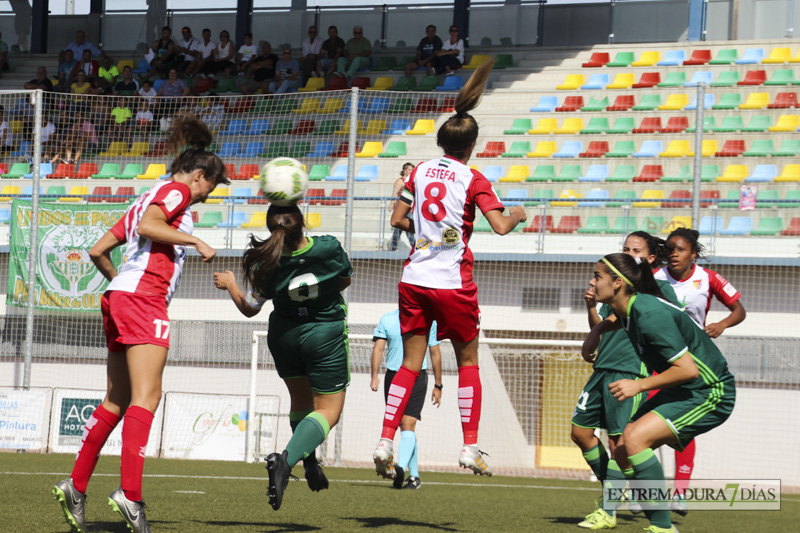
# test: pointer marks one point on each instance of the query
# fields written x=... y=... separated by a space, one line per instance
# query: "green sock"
x=647 y=467
x=598 y=461
x=614 y=479
x=629 y=473
x=310 y=433
x=295 y=417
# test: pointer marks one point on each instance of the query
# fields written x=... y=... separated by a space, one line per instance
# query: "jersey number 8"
x=434 y=200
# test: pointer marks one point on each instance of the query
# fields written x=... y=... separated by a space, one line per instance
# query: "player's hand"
x=436 y=397
x=224 y=280
x=589 y=348
x=518 y=211
x=206 y=252
x=625 y=388
x=714 y=330
x=591 y=303
x=374 y=383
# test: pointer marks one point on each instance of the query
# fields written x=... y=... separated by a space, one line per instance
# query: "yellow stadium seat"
x=122 y=63
x=544 y=149
x=710 y=147
x=675 y=102
x=154 y=171
x=570 y=126
x=8 y=189
x=345 y=129
x=374 y=127
x=313 y=220
x=313 y=84
x=422 y=126
x=16 y=126
x=733 y=174
x=77 y=190
x=516 y=174
x=214 y=197
x=138 y=149
x=115 y=149
x=545 y=126
x=795 y=59
x=308 y=105
x=787 y=123
x=623 y=80
x=572 y=82
x=650 y=194
x=476 y=61
x=370 y=149
x=257 y=220
x=332 y=105
x=778 y=55
x=647 y=59
x=677 y=149
x=790 y=174
x=567 y=194
x=381 y=83
x=756 y=101
x=679 y=222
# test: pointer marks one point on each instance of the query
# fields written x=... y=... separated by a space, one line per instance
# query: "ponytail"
x=261 y=257
x=192 y=132
x=636 y=273
x=655 y=246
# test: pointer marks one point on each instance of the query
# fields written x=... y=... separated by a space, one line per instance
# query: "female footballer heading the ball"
x=697 y=391
x=304 y=277
x=157 y=228
x=437 y=276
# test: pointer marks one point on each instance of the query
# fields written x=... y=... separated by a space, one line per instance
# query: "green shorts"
x=597 y=407
x=319 y=351
x=692 y=412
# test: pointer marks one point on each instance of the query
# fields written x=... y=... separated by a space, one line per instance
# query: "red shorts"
x=130 y=319
x=456 y=311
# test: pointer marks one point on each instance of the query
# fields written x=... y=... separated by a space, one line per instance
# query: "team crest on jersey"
x=173 y=200
x=450 y=236
x=697 y=283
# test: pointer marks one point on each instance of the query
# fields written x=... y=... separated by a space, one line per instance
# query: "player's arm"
x=400 y=218
x=375 y=364
x=436 y=362
x=593 y=338
x=100 y=254
x=682 y=370
x=154 y=226
x=591 y=308
x=227 y=281
x=502 y=224
x=738 y=314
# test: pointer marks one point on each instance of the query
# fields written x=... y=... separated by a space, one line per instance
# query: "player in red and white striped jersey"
x=157 y=228
x=695 y=286
x=437 y=277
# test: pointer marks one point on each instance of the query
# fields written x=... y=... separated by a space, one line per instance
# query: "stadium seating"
x=595 y=149
x=708 y=102
x=649 y=173
x=571 y=103
x=546 y=104
x=396 y=149
x=537 y=226
x=754 y=77
x=623 y=102
x=784 y=101
x=596 y=104
x=781 y=77
x=674 y=79
x=544 y=149
x=677 y=149
x=649 y=79
x=760 y=148
x=648 y=125
x=595 y=173
x=545 y=126
x=622 y=125
x=649 y=149
x=733 y=174
x=756 y=101
x=544 y=173
x=647 y=59
x=571 y=82
x=622 y=149
x=246 y=172
x=768 y=226
x=701 y=76
x=727 y=78
x=623 y=80
x=568 y=173
x=569 y=149
x=570 y=126
x=596 y=82
x=675 y=102
x=422 y=127
x=598 y=59
x=622 y=59
x=519 y=127
x=647 y=198
x=673 y=58
x=738 y=226
x=451 y=83
x=596 y=126
x=516 y=174
x=518 y=149
x=492 y=149
x=623 y=173
x=731 y=148
x=678 y=194
x=751 y=56
x=595 y=225
x=725 y=57
x=699 y=57
x=789 y=174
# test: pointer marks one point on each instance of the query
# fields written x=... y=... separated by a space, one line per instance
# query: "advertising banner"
x=24 y=417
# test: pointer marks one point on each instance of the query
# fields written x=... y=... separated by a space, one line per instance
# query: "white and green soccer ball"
x=283 y=181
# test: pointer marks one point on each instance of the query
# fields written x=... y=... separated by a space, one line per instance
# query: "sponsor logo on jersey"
x=697 y=283
x=423 y=244
x=173 y=200
x=451 y=236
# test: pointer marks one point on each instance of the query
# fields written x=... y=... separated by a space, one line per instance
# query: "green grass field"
x=204 y=496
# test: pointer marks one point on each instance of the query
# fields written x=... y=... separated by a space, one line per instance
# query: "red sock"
x=469 y=401
x=95 y=434
x=684 y=464
x=135 y=432
x=399 y=393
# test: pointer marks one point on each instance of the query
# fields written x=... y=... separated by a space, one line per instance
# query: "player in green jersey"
x=615 y=359
x=304 y=277
x=696 y=389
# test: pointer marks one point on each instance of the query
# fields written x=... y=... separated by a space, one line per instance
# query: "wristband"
x=440 y=387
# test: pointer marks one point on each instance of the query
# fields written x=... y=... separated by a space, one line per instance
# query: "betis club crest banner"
x=67 y=278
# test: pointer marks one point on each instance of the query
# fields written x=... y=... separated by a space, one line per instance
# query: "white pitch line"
x=189 y=491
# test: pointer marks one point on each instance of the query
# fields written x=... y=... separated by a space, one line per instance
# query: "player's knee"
x=581 y=437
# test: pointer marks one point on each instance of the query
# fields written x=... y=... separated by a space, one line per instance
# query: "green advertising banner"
x=67 y=279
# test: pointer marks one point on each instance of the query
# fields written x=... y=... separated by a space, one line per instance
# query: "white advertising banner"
x=72 y=408
x=207 y=426
x=24 y=417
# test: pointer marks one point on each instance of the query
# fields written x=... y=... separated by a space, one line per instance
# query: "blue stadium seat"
x=235 y=127
x=763 y=173
x=252 y=149
x=700 y=76
x=597 y=81
x=235 y=220
x=258 y=126
x=367 y=173
x=45 y=169
x=5 y=215
x=673 y=58
x=546 y=104
x=452 y=83
x=649 y=149
x=339 y=174
x=399 y=126
x=142 y=67
x=241 y=195
x=708 y=101
x=598 y=197
x=323 y=149
x=738 y=226
x=515 y=194
x=570 y=149
x=595 y=173
x=751 y=56
x=709 y=225
x=230 y=150
x=378 y=105
x=493 y=172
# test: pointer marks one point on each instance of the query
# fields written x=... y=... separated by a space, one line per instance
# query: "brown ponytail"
x=192 y=132
x=261 y=257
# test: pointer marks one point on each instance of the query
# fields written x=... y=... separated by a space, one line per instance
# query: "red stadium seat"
x=63 y=170
x=754 y=77
x=337 y=197
x=124 y=191
x=304 y=127
x=731 y=148
x=344 y=150
x=680 y=194
x=493 y=149
x=571 y=103
x=649 y=125
x=622 y=102
x=568 y=224
x=448 y=105
x=315 y=196
x=195 y=217
x=246 y=172
x=598 y=59
x=258 y=199
x=536 y=225
x=699 y=57
x=361 y=82
x=794 y=228
x=159 y=150
x=98 y=191
x=425 y=105
x=85 y=171
x=676 y=125
x=202 y=85
x=709 y=195
x=336 y=84
x=650 y=173
x=648 y=79
x=784 y=101
x=596 y=149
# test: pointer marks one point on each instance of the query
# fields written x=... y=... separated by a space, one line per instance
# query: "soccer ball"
x=283 y=181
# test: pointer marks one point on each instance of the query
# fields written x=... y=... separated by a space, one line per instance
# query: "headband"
x=617 y=272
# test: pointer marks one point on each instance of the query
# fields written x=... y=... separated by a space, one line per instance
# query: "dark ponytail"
x=655 y=246
x=261 y=257
x=638 y=277
x=192 y=132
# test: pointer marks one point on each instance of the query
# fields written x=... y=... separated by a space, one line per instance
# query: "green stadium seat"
x=596 y=104
x=761 y=148
x=623 y=125
x=648 y=102
x=319 y=172
x=621 y=197
x=788 y=148
x=401 y=65
x=406 y=83
x=540 y=196
x=395 y=149
x=767 y=199
x=543 y=173
x=731 y=201
x=727 y=78
x=684 y=174
x=624 y=225
x=725 y=57
x=503 y=61
x=709 y=123
x=709 y=173
x=276 y=149
x=400 y=106
x=17 y=170
x=781 y=77
x=285 y=104
x=131 y=171
x=518 y=149
x=674 y=79
x=428 y=83
x=210 y=220
x=385 y=64
x=519 y=127
x=108 y=171
x=623 y=173
x=730 y=123
x=768 y=226
x=569 y=173
x=653 y=225
x=758 y=124
x=622 y=59
x=791 y=200
x=483 y=226
x=595 y=225
x=622 y=149
x=300 y=149
x=597 y=125
x=729 y=101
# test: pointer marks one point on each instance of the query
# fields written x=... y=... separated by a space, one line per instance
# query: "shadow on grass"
x=383 y=521
x=574 y=520
x=119 y=526
x=272 y=528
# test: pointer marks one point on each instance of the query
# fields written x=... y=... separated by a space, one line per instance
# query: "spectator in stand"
x=246 y=54
x=212 y=113
x=189 y=53
x=312 y=53
x=6 y=137
x=356 y=55
x=49 y=140
x=148 y=92
x=173 y=86
x=427 y=51
x=3 y=55
x=127 y=86
x=451 y=56
x=261 y=71
x=107 y=76
x=66 y=64
x=80 y=44
x=287 y=74
x=222 y=57
x=89 y=66
x=40 y=82
x=122 y=118
x=163 y=53
x=144 y=117
x=207 y=47
x=79 y=136
x=331 y=50
x=82 y=86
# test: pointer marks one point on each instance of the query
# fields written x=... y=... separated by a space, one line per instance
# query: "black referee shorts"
x=417 y=400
